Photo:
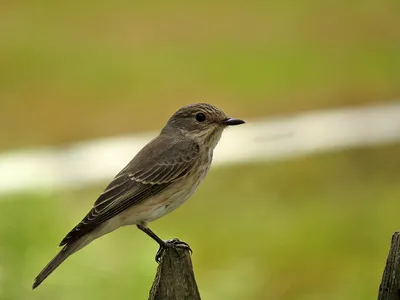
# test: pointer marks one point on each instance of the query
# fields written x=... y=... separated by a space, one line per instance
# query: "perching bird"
x=160 y=178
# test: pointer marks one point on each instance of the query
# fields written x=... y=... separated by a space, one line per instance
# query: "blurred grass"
x=103 y=68
x=312 y=228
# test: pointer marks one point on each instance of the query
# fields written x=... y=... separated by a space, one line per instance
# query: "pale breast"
x=168 y=200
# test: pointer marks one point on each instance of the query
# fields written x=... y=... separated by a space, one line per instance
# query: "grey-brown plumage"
x=161 y=177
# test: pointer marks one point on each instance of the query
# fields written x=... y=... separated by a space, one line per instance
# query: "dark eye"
x=200 y=117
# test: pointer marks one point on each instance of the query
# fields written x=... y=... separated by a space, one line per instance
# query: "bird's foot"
x=174 y=243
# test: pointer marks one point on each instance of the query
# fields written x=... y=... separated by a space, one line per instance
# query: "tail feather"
x=51 y=266
x=71 y=248
x=58 y=259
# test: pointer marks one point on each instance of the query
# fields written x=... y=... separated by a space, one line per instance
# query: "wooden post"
x=175 y=277
x=390 y=285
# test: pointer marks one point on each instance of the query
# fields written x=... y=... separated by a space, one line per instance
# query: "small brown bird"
x=160 y=178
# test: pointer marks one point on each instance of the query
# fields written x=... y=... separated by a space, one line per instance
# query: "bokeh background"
x=316 y=227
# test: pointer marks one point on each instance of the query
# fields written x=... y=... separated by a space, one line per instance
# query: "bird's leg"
x=174 y=243
x=151 y=234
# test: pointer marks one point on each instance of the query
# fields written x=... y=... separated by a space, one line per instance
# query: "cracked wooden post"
x=175 y=277
x=390 y=285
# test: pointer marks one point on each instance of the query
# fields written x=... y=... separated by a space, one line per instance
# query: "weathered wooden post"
x=175 y=277
x=390 y=285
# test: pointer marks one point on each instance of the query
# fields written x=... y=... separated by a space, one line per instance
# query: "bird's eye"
x=200 y=117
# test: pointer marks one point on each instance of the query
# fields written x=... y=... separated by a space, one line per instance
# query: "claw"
x=174 y=243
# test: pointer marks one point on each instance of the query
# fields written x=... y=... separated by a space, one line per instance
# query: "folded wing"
x=158 y=165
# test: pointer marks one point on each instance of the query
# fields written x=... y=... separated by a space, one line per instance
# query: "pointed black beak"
x=232 y=121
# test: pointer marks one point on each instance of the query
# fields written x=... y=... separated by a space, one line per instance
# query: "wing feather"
x=154 y=168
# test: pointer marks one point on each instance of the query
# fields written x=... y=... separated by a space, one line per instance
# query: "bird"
x=160 y=178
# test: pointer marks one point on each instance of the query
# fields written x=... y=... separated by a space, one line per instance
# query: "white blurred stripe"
x=274 y=138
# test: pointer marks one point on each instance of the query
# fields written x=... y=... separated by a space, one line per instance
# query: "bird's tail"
x=57 y=260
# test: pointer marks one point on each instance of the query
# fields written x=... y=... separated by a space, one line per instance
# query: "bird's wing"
x=154 y=168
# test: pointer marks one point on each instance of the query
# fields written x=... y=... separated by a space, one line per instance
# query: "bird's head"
x=201 y=121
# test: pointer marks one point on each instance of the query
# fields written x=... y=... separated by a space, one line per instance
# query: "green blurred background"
x=316 y=227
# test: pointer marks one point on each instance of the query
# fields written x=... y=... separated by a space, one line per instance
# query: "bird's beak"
x=232 y=121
